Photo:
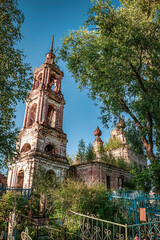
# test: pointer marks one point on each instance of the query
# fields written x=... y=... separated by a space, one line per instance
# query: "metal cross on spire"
x=51 y=49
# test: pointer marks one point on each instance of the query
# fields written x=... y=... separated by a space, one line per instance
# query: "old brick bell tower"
x=42 y=142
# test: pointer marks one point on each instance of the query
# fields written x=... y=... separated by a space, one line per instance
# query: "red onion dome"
x=97 y=132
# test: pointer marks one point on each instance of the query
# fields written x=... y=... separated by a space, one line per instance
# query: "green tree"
x=143 y=180
x=116 y=56
x=155 y=171
x=113 y=143
x=90 y=154
x=133 y=139
x=80 y=156
x=85 y=154
x=14 y=75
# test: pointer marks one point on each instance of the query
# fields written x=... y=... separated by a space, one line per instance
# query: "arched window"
x=32 y=115
x=51 y=84
x=49 y=149
x=38 y=81
x=20 y=179
x=51 y=115
x=26 y=147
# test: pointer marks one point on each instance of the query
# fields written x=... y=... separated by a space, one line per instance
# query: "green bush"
x=76 y=196
x=7 y=203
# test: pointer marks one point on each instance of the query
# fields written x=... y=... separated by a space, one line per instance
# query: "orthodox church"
x=42 y=142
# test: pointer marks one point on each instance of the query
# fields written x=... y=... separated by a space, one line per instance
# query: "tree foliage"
x=84 y=154
x=76 y=196
x=116 y=56
x=147 y=179
x=80 y=156
x=14 y=74
x=133 y=139
x=113 y=143
x=7 y=203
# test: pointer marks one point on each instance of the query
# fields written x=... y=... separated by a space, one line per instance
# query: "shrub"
x=76 y=196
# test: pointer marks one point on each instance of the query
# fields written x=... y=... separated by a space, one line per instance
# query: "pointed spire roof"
x=51 y=49
x=50 y=56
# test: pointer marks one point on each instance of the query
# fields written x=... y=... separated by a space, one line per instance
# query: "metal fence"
x=25 y=192
x=131 y=202
x=147 y=231
x=92 y=228
x=87 y=228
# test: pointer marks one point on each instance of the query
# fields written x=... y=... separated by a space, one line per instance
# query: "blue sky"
x=42 y=19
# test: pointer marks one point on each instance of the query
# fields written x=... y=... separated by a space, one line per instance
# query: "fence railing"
x=131 y=202
x=92 y=228
x=84 y=227
x=25 y=192
x=147 y=231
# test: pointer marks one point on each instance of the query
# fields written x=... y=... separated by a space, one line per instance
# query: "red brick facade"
x=97 y=172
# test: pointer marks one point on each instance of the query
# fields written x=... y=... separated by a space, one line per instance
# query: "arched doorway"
x=20 y=179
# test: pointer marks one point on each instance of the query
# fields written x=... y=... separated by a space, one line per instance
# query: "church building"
x=41 y=141
x=109 y=174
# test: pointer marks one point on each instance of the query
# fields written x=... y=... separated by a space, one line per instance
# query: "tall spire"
x=51 y=49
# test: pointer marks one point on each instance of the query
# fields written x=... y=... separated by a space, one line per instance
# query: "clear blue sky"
x=42 y=19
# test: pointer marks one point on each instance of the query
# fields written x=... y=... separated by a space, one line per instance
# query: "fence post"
x=126 y=231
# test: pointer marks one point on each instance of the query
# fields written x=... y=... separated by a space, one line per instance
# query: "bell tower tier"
x=42 y=142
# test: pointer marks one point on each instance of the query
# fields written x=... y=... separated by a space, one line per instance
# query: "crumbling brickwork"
x=97 y=172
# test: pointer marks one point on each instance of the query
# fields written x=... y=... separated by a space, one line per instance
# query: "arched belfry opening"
x=32 y=115
x=37 y=81
x=50 y=149
x=51 y=115
x=26 y=147
x=20 y=179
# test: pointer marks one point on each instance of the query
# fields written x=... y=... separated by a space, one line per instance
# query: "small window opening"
x=49 y=149
x=108 y=182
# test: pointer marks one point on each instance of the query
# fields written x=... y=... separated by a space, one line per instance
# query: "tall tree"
x=117 y=57
x=14 y=75
x=80 y=156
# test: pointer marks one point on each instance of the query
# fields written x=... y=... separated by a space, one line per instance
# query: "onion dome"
x=97 y=132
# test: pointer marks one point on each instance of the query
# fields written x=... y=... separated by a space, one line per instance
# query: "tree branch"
x=126 y=108
x=136 y=73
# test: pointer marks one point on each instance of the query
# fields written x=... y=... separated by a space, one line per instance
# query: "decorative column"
x=45 y=110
